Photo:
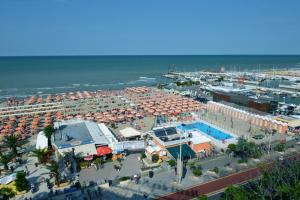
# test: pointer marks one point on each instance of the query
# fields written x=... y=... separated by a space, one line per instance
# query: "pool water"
x=206 y=129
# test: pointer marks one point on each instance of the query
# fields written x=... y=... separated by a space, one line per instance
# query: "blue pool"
x=205 y=128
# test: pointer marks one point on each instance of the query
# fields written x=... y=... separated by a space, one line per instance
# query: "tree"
x=235 y=193
x=12 y=142
x=203 y=197
x=270 y=133
x=280 y=147
x=281 y=181
x=172 y=163
x=245 y=149
x=232 y=147
x=21 y=182
x=143 y=155
x=5 y=159
x=48 y=132
x=55 y=171
x=6 y=193
x=98 y=162
x=74 y=159
x=196 y=168
x=155 y=158
x=40 y=154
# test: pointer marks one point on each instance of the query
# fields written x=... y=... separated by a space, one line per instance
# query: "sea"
x=43 y=75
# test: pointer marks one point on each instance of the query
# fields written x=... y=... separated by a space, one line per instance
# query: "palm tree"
x=5 y=159
x=40 y=154
x=55 y=171
x=48 y=132
x=270 y=133
x=12 y=142
x=74 y=159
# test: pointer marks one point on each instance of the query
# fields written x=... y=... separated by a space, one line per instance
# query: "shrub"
x=195 y=165
x=124 y=178
x=155 y=158
x=197 y=172
x=84 y=164
x=243 y=160
x=203 y=197
x=232 y=147
x=21 y=182
x=216 y=170
x=280 y=147
x=7 y=193
x=143 y=155
x=172 y=163
x=98 y=161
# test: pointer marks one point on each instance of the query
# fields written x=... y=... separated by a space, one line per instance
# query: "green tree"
x=74 y=159
x=245 y=149
x=172 y=162
x=143 y=155
x=281 y=181
x=196 y=167
x=155 y=158
x=203 y=197
x=48 y=132
x=280 y=147
x=235 y=193
x=6 y=193
x=98 y=162
x=12 y=142
x=40 y=154
x=5 y=159
x=231 y=147
x=55 y=171
x=21 y=182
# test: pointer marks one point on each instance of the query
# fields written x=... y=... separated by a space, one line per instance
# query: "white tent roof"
x=130 y=132
x=41 y=141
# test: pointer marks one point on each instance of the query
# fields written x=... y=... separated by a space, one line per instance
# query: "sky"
x=149 y=27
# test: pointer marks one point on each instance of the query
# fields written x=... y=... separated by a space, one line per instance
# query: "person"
x=12 y=169
x=32 y=187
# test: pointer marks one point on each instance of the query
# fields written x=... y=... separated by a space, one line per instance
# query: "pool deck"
x=217 y=143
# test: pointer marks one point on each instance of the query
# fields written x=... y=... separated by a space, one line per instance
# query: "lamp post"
x=179 y=161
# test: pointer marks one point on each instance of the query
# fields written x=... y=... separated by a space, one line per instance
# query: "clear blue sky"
x=114 y=27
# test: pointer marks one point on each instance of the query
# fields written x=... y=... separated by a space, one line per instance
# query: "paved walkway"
x=130 y=166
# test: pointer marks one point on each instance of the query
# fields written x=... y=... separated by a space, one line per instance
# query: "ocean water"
x=21 y=76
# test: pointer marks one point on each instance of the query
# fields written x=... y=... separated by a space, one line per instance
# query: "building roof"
x=186 y=151
x=201 y=147
x=168 y=136
x=130 y=132
x=77 y=132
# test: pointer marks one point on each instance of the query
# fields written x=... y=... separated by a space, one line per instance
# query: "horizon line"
x=104 y=55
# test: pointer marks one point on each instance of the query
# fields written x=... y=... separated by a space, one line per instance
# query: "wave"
x=43 y=91
x=142 y=79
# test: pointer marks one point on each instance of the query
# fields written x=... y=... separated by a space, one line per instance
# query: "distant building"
x=244 y=98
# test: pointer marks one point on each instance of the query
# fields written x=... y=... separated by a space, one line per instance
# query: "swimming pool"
x=205 y=128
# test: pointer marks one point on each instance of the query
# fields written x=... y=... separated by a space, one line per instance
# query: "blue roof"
x=72 y=135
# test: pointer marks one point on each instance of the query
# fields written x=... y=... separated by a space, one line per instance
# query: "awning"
x=104 y=150
x=88 y=157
